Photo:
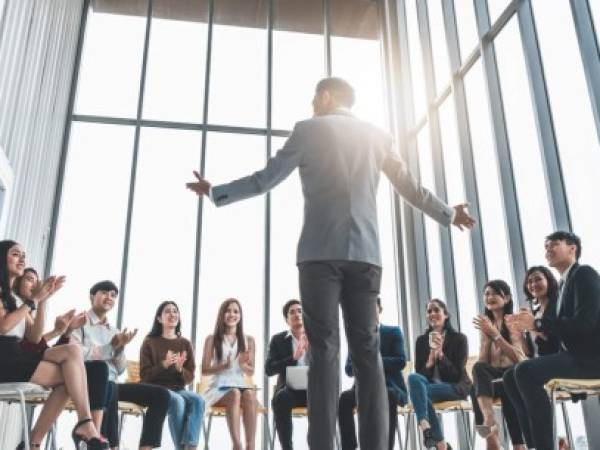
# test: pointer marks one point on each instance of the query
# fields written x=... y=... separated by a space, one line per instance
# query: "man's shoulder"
x=390 y=329
x=279 y=336
x=585 y=271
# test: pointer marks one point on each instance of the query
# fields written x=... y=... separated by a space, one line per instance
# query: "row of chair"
x=559 y=390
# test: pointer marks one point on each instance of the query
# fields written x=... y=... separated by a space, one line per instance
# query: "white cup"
x=433 y=335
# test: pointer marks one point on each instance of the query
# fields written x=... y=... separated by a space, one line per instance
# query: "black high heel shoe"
x=22 y=445
x=92 y=443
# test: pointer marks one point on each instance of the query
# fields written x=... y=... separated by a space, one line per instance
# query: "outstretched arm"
x=276 y=170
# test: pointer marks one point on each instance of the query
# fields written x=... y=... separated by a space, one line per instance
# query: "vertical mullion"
x=507 y=179
x=198 y=253
x=136 y=145
x=327 y=32
x=543 y=118
x=589 y=47
x=65 y=140
x=438 y=157
x=267 y=255
x=467 y=160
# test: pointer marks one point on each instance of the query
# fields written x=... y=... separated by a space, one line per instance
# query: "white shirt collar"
x=95 y=320
x=565 y=274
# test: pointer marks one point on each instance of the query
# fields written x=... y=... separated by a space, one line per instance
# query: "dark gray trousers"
x=324 y=287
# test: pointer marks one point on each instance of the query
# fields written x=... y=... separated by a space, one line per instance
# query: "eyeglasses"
x=433 y=309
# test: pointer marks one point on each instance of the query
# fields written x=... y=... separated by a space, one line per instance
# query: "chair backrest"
x=133 y=371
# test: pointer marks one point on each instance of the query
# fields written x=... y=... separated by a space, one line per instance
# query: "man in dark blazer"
x=391 y=347
x=340 y=159
x=288 y=348
x=577 y=325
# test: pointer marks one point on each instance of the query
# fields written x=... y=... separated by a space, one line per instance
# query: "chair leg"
x=121 y=425
x=464 y=418
x=399 y=431
x=554 y=437
x=207 y=432
x=408 y=421
x=567 y=423
x=272 y=435
x=25 y=419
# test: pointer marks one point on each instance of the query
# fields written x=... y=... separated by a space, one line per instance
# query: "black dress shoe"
x=428 y=438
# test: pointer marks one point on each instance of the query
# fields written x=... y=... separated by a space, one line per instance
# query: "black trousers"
x=284 y=400
x=530 y=377
x=346 y=419
x=97 y=381
x=155 y=398
x=484 y=384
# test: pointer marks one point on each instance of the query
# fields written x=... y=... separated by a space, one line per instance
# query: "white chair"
x=23 y=393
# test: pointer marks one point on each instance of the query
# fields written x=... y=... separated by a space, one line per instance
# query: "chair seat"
x=131 y=408
x=574 y=386
x=32 y=391
x=404 y=410
x=221 y=411
x=455 y=405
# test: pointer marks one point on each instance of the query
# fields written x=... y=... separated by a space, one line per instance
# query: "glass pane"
x=496 y=8
x=432 y=228
x=297 y=42
x=287 y=210
x=595 y=8
x=232 y=262
x=525 y=149
x=163 y=226
x=176 y=61
x=439 y=47
x=461 y=242
x=239 y=65
x=573 y=119
x=356 y=56
x=91 y=224
x=109 y=76
x=416 y=60
x=467 y=27
x=487 y=174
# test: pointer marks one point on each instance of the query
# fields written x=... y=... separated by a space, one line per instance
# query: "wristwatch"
x=537 y=324
x=31 y=304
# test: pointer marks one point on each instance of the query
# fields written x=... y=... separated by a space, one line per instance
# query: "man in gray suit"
x=339 y=262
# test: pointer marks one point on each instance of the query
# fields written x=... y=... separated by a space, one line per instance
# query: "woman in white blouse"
x=229 y=357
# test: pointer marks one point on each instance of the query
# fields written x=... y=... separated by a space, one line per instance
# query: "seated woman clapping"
x=501 y=347
x=229 y=357
x=58 y=368
x=440 y=364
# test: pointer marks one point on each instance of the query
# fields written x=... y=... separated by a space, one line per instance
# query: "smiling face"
x=231 y=315
x=436 y=316
x=537 y=284
x=15 y=261
x=28 y=282
x=169 y=317
x=560 y=254
x=493 y=299
x=103 y=301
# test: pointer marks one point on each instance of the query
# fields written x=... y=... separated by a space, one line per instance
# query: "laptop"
x=297 y=377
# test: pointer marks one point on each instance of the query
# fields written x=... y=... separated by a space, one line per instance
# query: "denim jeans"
x=423 y=394
x=186 y=412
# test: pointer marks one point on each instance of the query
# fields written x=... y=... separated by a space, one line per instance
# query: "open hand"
x=77 y=321
x=462 y=217
x=43 y=289
x=170 y=359
x=123 y=338
x=61 y=323
x=484 y=324
x=180 y=359
x=200 y=187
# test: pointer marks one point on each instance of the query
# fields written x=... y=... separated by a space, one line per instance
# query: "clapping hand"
x=77 y=321
x=462 y=217
x=200 y=187
x=59 y=282
x=62 y=322
x=301 y=348
x=43 y=290
x=170 y=359
x=522 y=321
x=180 y=359
x=123 y=338
x=483 y=324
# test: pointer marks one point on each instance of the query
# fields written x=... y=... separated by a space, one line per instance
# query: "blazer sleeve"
x=451 y=367
x=395 y=361
x=586 y=308
x=396 y=170
x=421 y=355
x=277 y=361
x=277 y=169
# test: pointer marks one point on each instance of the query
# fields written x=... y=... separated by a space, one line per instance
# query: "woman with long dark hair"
x=501 y=347
x=25 y=287
x=440 y=364
x=167 y=359
x=541 y=291
x=58 y=368
x=229 y=357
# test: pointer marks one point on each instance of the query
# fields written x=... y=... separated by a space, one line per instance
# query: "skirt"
x=17 y=362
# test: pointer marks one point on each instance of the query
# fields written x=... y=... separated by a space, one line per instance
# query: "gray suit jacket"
x=339 y=158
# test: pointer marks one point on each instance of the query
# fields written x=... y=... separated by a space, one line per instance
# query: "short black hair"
x=105 y=285
x=288 y=305
x=339 y=88
x=569 y=238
